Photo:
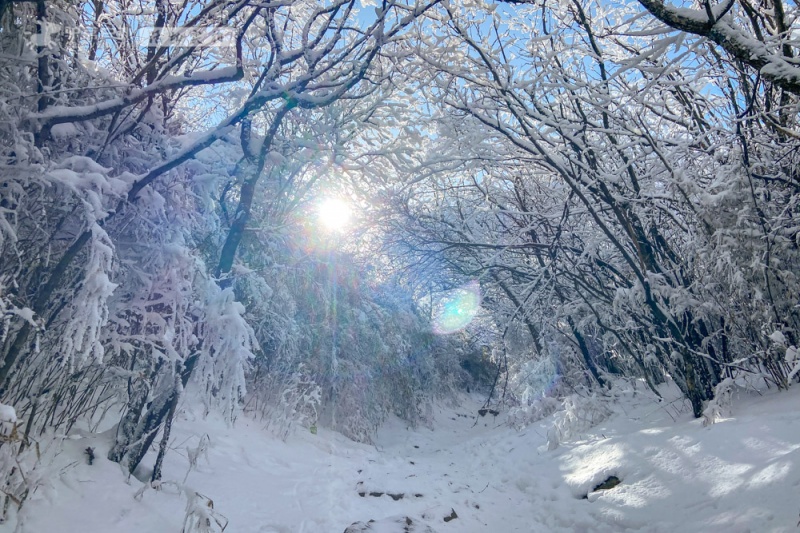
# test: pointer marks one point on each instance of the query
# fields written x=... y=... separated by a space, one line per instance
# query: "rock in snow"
x=401 y=524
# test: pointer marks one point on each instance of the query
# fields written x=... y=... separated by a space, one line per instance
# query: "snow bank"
x=740 y=474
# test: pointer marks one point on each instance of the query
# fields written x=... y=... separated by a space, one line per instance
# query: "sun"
x=334 y=214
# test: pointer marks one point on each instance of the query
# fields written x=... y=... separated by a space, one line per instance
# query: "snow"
x=740 y=474
x=8 y=418
x=64 y=131
x=26 y=314
x=778 y=338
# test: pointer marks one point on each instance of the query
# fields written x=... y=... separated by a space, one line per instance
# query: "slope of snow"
x=738 y=475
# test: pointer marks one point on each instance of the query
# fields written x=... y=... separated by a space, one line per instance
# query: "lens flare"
x=457 y=309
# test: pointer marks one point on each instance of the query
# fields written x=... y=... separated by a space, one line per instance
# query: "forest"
x=328 y=213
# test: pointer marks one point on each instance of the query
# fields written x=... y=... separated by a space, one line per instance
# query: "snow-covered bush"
x=579 y=414
x=193 y=454
x=89 y=313
x=16 y=476
x=201 y=517
x=719 y=406
x=19 y=459
x=226 y=352
x=784 y=354
x=531 y=377
x=298 y=405
x=525 y=415
x=199 y=514
x=792 y=358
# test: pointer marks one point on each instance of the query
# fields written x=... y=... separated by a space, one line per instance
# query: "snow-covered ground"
x=738 y=475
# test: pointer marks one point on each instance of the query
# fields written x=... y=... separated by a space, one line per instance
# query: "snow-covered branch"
x=718 y=25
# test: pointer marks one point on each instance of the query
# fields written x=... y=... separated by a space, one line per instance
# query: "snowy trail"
x=742 y=474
